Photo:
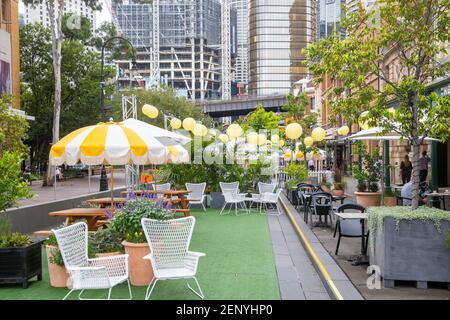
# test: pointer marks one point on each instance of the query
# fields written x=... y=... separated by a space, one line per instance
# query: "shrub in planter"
x=106 y=242
x=57 y=272
x=409 y=244
x=389 y=198
x=127 y=222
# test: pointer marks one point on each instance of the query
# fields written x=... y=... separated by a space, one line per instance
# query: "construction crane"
x=226 y=58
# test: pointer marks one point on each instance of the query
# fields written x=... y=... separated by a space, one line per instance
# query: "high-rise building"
x=38 y=13
x=9 y=49
x=279 y=31
x=242 y=47
x=329 y=14
x=189 y=43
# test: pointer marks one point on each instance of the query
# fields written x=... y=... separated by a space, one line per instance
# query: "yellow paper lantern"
x=189 y=124
x=262 y=139
x=308 y=141
x=318 y=134
x=287 y=155
x=344 y=130
x=234 y=131
x=281 y=142
x=150 y=111
x=252 y=138
x=175 y=123
x=275 y=138
x=363 y=124
x=200 y=130
x=294 y=130
x=224 y=138
x=299 y=155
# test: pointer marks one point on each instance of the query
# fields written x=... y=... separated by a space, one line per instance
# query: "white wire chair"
x=262 y=188
x=162 y=187
x=85 y=273
x=169 y=251
x=271 y=198
x=197 y=196
x=232 y=197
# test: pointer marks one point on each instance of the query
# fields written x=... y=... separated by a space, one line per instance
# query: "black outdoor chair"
x=350 y=228
x=321 y=205
x=303 y=192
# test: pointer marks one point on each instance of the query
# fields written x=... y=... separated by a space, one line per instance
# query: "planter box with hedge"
x=410 y=244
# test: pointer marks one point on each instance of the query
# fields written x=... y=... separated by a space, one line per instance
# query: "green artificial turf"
x=239 y=264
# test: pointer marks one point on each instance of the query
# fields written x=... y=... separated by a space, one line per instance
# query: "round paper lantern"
x=175 y=123
x=189 y=124
x=308 y=141
x=316 y=155
x=287 y=155
x=318 y=134
x=150 y=111
x=224 y=138
x=275 y=138
x=363 y=124
x=281 y=142
x=294 y=130
x=344 y=130
x=299 y=155
x=234 y=131
x=200 y=130
x=252 y=138
x=262 y=139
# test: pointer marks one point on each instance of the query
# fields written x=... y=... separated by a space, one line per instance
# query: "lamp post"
x=103 y=177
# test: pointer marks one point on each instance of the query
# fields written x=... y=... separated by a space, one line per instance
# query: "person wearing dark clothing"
x=406 y=170
x=423 y=166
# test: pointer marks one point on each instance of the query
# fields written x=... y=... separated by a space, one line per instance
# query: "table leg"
x=91 y=222
x=184 y=203
x=363 y=237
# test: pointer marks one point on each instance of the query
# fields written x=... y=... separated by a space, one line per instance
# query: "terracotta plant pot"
x=107 y=254
x=141 y=272
x=368 y=199
x=58 y=275
x=338 y=193
x=390 y=201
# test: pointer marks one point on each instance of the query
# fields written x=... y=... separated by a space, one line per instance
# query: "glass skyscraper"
x=279 y=31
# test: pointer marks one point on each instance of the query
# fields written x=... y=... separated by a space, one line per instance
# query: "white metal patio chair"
x=197 y=196
x=262 y=188
x=169 y=251
x=271 y=198
x=232 y=197
x=85 y=273
x=162 y=187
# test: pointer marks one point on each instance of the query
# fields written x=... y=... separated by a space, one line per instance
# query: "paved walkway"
x=70 y=188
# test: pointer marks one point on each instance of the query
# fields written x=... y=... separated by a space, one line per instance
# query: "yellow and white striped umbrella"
x=119 y=143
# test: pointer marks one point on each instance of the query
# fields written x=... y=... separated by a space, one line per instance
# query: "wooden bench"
x=43 y=233
x=186 y=212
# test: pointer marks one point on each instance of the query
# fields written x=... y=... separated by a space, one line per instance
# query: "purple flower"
x=169 y=205
x=108 y=214
x=131 y=195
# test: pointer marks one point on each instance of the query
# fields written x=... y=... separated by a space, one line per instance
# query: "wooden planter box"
x=18 y=265
x=415 y=252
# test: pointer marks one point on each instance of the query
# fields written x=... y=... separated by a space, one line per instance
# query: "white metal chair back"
x=198 y=190
x=162 y=187
x=168 y=240
x=230 y=195
x=229 y=185
x=73 y=244
x=266 y=187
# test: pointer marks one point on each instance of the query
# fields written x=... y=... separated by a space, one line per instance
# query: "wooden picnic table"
x=92 y=216
x=168 y=195
x=106 y=201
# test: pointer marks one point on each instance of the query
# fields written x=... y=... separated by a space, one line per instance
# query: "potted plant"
x=20 y=257
x=409 y=245
x=57 y=272
x=106 y=242
x=390 y=198
x=338 y=184
x=297 y=173
x=127 y=222
x=368 y=178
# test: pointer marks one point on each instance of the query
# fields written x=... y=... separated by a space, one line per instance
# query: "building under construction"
x=178 y=44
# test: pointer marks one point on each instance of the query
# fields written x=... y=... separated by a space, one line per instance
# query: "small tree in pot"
x=127 y=222
x=339 y=185
x=368 y=178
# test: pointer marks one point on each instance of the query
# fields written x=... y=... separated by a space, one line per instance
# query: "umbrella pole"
x=112 y=186
x=89 y=178
x=54 y=185
x=382 y=174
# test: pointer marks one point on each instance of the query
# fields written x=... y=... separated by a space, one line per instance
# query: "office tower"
x=242 y=28
x=329 y=13
x=279 y=31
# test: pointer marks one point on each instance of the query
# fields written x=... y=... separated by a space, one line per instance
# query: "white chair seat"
x=174 y=273
x=116 y=280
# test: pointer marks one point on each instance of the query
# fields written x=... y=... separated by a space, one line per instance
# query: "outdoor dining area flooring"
x=239 y=265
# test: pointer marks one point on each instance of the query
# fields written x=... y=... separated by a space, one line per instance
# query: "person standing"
x=405 y=170
x=311 y=164
x=423 y=166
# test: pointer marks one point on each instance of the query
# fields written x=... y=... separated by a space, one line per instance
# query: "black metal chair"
x=304 y=190
x=350 y=228
x=321 y=204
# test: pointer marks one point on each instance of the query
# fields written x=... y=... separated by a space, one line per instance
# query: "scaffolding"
x=129 y=111
x=226 y=56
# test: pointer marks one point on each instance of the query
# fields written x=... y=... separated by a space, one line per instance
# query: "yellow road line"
x=319 y=263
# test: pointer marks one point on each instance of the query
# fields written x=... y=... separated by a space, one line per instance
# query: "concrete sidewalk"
x=71 y=188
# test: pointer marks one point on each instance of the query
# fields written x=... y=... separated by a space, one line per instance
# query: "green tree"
x=417 y=33
x=13 y=129
x=260 y=119
x=80 y=88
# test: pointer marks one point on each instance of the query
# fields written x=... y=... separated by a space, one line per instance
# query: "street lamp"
x=103 y=177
